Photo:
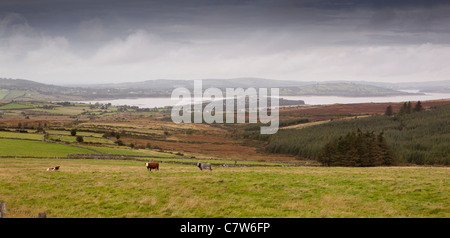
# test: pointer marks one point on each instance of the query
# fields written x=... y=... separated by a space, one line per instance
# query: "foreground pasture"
x=107 y=188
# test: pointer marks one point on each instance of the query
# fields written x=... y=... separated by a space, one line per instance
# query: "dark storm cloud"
x=308 y=39
x=217 y=19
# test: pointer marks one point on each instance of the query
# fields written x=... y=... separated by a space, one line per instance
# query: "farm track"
x=303 y=125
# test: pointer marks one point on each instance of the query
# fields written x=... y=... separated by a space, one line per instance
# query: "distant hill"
x=206 y=83
x=425 y=87
x=20 y=89
x=432 y=86
x=340 y=89
x=287 y=88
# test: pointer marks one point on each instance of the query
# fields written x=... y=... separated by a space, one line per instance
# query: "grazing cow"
x=53 y=169
x=152 y=165
x=204 y=166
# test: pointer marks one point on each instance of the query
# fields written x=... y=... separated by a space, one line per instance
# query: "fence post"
x=42 y=215
x=2 y=210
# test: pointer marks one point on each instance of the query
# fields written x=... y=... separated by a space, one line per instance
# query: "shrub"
x=389 y=111
x=119 y=142
x=80 y=139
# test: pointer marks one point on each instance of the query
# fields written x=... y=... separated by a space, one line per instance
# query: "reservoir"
x=309 y=100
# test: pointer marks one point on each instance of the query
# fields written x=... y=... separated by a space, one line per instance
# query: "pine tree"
x=403 y=109
x=418 y=107
x=387 y=154
x=388 y=111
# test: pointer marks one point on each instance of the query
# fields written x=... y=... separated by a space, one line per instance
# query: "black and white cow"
x=204 y=166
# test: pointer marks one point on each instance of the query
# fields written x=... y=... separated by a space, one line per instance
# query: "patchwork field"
x=105 y=174
x=106 y=188
x=153 y=128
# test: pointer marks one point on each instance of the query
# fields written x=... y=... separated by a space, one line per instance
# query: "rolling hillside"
x=418 y=138
x=26 y=90
x=340 y=89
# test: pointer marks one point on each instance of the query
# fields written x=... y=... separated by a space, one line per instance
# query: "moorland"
x=102 y=150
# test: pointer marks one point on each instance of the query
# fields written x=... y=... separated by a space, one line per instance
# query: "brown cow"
x=152 y=165
x=53 y=169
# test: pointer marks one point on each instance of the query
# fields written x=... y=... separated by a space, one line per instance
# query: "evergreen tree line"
x=405 y=109
x=357 y=150
x=417 y=138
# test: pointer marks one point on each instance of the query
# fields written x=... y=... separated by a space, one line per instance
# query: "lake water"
x=309 y=100
x=324 y=100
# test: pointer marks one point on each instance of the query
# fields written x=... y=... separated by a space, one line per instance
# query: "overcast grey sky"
x=86 y=41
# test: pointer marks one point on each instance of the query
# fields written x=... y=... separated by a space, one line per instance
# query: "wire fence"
x=7 y=210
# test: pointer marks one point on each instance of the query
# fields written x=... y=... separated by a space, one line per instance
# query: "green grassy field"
x=63 y=110
x=72 y=139
x=31 y=136
x=105 y=188
x=12 y=147
x=34 y=147
x=79 y=133
x=220 y=162
x=17 y=105
x=127 y=151
x=39 y=148
x=13 y=94
x=3 y=93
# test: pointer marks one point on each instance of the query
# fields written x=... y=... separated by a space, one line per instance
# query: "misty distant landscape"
x=19 y=89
